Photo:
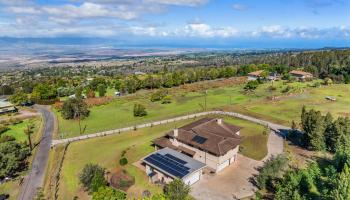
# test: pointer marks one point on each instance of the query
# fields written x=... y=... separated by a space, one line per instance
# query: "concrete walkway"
x=117 y=131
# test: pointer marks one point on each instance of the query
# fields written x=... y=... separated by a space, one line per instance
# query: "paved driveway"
x=234 y=181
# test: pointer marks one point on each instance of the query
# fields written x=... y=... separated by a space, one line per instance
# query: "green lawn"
x=17 y=130
x=283 y=109
x=11 y=188
x=106 y=151
x=289 y=108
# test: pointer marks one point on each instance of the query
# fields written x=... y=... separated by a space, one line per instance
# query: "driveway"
x=234 y=181
x=35 y=178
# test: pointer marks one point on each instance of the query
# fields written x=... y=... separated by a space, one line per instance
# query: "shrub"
x=123 y=161
x=92 y=177
x=287 y=89
x=251 y=85
x=139 y=110
x=177 y=190
x=159 y=95
x=108 y=193
x=166 y=99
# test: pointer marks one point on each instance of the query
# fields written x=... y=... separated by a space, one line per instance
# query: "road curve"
x=35 y=178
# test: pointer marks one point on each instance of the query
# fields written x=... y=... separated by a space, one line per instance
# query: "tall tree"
x=177 y=190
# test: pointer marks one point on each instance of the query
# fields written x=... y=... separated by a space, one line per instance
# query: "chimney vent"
x=176 y=132
x=219 y=121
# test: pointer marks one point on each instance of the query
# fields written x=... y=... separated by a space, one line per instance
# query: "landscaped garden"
x=107 y=151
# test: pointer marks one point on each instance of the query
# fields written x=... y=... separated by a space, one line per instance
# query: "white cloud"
x=24 y=10
x=205 y=30
x=239 y=7
x=179 y=2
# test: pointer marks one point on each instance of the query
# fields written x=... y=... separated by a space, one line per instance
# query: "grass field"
x=106 y=151
x=284 y=107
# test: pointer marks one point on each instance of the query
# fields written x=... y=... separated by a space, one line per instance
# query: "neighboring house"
x=164 y=165
x=7 y=107
x=252 y=76
x=208 y=140
x=273 y=77
x=301 y=75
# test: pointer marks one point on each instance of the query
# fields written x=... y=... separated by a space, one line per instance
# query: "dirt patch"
x=345 y=114
x=121 y=180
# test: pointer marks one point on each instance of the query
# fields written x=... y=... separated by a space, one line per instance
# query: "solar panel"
x=176 y=159
x=199 y=139
x=168 y=165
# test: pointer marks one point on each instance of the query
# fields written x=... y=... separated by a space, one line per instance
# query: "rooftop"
x=5 y=104
x=298 y=72
x=256 y=73
x=210 y=134
x=173 y=163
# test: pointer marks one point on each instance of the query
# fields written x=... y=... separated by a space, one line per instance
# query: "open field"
x=281 y=104
x=106 y=151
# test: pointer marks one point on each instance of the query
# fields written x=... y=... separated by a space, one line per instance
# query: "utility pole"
x=205 y=100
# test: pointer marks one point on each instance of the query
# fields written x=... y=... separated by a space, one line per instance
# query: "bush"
x=123 y=161
x=287 y=89
x=92 y=177
x=139 y=110
x=251 y=85
x=166 y=99
x=159 y=95
x=108 y=193
x=177 y=190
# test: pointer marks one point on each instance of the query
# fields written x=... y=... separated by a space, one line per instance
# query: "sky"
x=231 y=23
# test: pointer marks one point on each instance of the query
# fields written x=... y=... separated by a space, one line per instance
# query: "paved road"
x=271 y=125
x=35 y=178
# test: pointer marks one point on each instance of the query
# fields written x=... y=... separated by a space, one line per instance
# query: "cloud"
x=239 y=7
x=205 y=30
x=24 y=10
x=179 y=2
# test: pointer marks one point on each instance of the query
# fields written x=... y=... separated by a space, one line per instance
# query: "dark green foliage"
x=139 y=110
x=92 y=177
x=3 y=128
x=44 y=92
x=74 y=108
x=108 y=193
x=177 y=190
x=272 y=170
x=102 y=89
x=6 y=90
x=97 y=81
x=251 y=85
x=123 y=161
x=12 y=158
x=313 y=126
x=79 y=92
x=19 y=98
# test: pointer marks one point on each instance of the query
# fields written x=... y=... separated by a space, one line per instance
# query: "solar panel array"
x=169 y=164
x=199 y=139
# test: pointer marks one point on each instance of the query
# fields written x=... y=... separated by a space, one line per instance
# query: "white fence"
x=130 y=128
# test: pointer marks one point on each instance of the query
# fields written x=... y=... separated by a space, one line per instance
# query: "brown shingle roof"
x=256 y=73
x=302 y=73
x=220 y=138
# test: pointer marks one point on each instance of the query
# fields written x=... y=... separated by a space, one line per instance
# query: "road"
x=275 y=127
x=35 y=178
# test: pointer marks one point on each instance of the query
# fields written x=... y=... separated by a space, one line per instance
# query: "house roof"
x=256 y=73
x=301 y=73
x=207 y=134
x=173 y=163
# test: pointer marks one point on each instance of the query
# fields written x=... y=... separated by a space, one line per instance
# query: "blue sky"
x=293 y=23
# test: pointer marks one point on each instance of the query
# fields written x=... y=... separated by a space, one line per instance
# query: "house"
x=166 y=164
x=301 y=75
x=208 y=140
x=7 y=107
x=252 y=76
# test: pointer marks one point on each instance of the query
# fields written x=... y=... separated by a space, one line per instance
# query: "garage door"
x=223 y=165
x=193 y=178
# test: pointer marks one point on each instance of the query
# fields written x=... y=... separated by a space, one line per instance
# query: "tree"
x=313 y=128
x=251 y=85
x=139 y=110
x=177 y=190
x=108 y=193
x=13 y=158
x=29 y=131
x=79 y=92
x=40 y=194
x=342 y=188
x=166 y=99
x=92 y=177
x=18 y=98
x=102 y=89
x=44 y=91
x=74 y=108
